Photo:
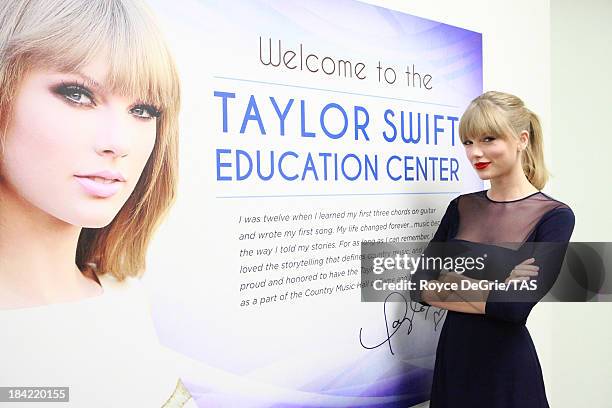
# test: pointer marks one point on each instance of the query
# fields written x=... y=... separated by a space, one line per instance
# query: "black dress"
x=489 y=360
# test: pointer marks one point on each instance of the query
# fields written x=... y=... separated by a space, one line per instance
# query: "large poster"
x=306 y=128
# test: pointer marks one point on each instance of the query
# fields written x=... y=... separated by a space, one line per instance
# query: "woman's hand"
x=523 y=271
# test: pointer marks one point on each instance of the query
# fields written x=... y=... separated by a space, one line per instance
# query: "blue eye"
x=75 y=93
x=145 y=111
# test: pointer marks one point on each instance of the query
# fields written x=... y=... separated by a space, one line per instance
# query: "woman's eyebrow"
x=90 y=82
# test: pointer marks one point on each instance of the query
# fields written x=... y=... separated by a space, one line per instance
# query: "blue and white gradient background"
x=303 y=353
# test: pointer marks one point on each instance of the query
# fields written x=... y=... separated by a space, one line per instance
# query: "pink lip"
x=98 y=189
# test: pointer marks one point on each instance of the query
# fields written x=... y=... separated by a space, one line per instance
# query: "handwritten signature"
x=396 y=324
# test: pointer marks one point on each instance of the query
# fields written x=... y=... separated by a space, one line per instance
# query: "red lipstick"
x=481 y=165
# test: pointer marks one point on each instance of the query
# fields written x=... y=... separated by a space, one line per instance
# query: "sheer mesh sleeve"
x=445 y=229
x=556 y=228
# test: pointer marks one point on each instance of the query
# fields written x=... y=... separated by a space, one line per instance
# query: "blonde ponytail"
x=533 y=156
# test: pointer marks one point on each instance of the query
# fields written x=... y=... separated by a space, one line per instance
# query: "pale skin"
x=63 y=125
x=508 y=182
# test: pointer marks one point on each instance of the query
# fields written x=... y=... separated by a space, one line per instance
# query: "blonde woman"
x=89 y=99
x=485 y=355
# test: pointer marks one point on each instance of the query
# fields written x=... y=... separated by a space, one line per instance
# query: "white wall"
x=516 y=59
x=581 y=150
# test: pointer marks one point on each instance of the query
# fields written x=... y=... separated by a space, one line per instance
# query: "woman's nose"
x=113 y=137
x=475 y=152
